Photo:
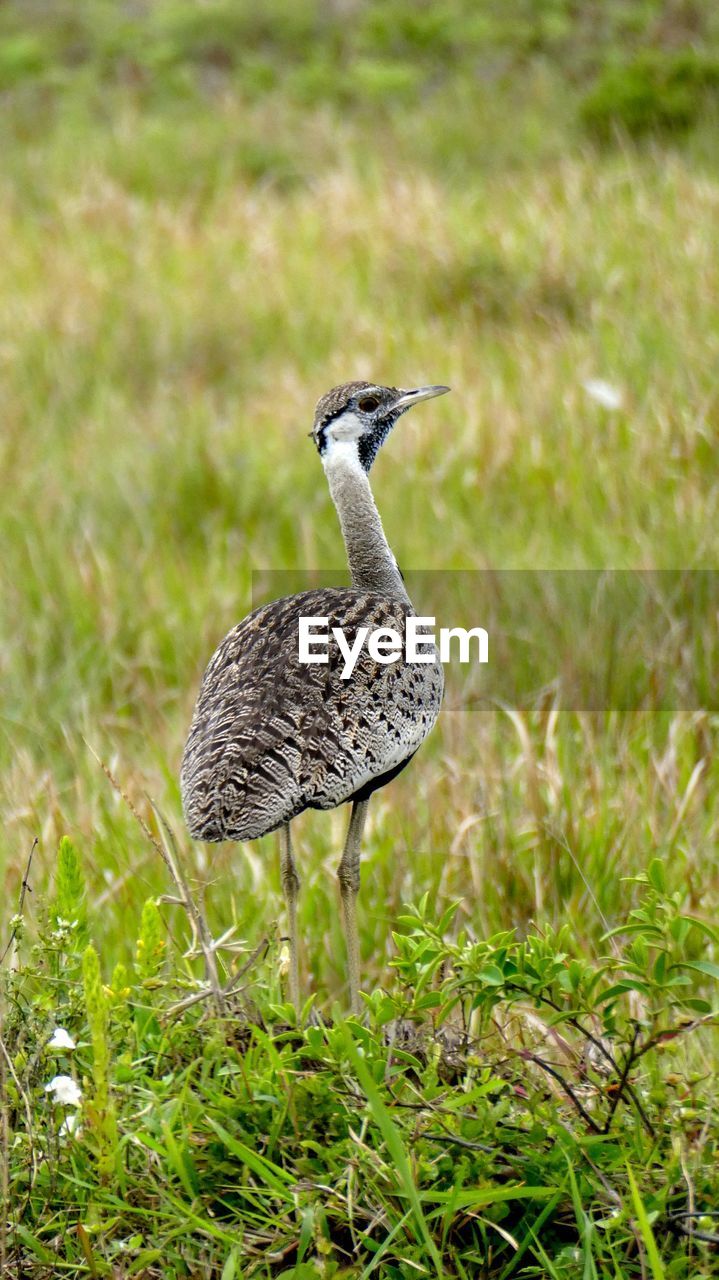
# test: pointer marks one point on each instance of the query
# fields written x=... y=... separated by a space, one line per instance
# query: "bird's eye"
x=368 y=403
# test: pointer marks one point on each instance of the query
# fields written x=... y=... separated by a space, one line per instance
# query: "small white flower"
x=63 y=928
x=605 y=394
x=65 y=1091
x=61 y=1040
x=71 y=1125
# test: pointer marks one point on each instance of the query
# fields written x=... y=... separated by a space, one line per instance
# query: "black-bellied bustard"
x=271 y=735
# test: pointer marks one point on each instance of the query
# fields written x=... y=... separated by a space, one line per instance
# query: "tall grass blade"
x=396 y=1149
x=645 y=1227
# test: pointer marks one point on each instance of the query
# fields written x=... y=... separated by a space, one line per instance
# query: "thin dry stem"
x=167 y=850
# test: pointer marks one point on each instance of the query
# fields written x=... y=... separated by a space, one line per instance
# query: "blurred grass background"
x=209 y=214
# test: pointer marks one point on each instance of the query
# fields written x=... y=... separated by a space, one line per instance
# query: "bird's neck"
x=372 y=565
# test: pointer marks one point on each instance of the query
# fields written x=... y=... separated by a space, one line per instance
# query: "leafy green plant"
x=150 y=949
x=68 y=907
x=506 y=1100
x=100 y=1109
x=656 y=91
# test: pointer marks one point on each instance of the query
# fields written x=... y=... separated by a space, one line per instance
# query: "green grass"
x=195 y=247
x=500 y=1106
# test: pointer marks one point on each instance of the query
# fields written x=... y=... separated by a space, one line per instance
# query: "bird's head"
x=360 y=415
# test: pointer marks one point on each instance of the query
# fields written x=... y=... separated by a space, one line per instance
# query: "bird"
x=271 y=736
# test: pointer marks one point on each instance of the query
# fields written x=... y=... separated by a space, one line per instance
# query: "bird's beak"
x=408 y=398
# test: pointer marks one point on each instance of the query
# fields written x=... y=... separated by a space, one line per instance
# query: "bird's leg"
x=290 y=888
x=349 y=878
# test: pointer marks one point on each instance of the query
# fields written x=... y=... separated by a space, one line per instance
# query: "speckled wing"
x=271 y=736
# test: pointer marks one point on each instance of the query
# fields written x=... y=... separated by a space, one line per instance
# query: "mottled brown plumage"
x=271 y=736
